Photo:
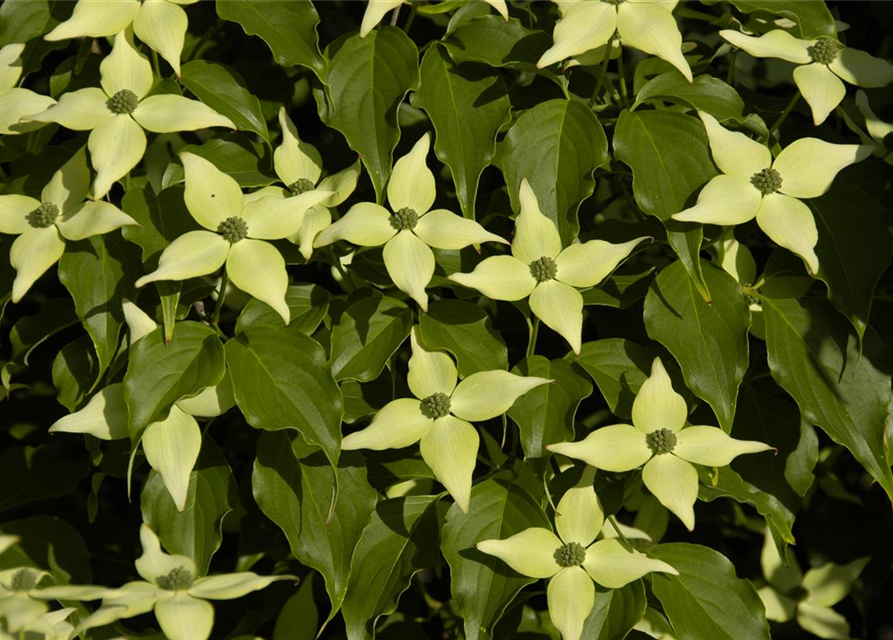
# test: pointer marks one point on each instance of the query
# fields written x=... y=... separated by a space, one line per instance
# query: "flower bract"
x=16 y=102
x=881 y=132
x=377 y=9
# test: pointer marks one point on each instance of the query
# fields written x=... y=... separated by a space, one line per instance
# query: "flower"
x=161 y=24
x=808 y=598
x=647 y=25
x=61 y=214
x=15 y=102
x=752 y=184
x=172 y=445
x=52 y=625
x=881 y=132
x=823 y=63
x=541 y=269
x=409 y=232
x=117 y=113
x=377 y=9
x=437 y=416
x=236 y=230
x=572 y=559
x=170 y=588
x=658 y=440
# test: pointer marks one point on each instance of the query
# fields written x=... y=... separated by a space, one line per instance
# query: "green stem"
x=395 y=15
x=622 y=80
x=156 y=65
x=602 y=73
x=411 y=18
x=730 y=77
x=622 y=537
x=682 y=12
x=221 y=298
x=785 y=113
x=533 y=329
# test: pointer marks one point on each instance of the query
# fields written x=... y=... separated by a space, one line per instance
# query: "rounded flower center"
x=405 y=219
x=437 y=405
x=661 y=441
x=888 y=141
x=233 y=229
x=766 y=181
x=543 y=269
x=179 y=579
x=301 y=185
x=43 y=216
x=570 y=555
x=124 y=101
x=824 y=51
x=24 y=579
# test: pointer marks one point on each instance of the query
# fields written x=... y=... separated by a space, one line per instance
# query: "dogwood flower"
x=752 y=184
x=61 y=214
x=236 y=230
x=823 y=63
x=117 y=113
x=377 y=9
x=541 y=269
x=161 y=24
x=15 y=102
x=881 y=132
x=52 y=625
x=171 y=445
x=412 y=229
x=170 y=589
x=573 y=559
x=438 y=416
x=22 y=599
x=647 y=25
x=658 y=441
x=807 y=598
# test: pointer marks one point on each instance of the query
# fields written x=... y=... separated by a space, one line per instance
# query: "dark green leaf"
x=74 y=371
x=31 y=331
x=706 y=93
x=465 y=330
x=620 y=291
x=22 y=20
x=49 y=542
x=29 y=474
x=362 y=399
x=308 y=304
x=812 y=19
x=163 y=218
x=246 y=161
x=493 y=41
x=616 y=612
x=619 y=367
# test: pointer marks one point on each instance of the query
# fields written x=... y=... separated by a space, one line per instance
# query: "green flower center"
x=824 y=51
x=233 y=229
x=543 y=269
x=179 y=579
x=43 y=216
x=888 y=141
x=661 y=441
x=124 y=101
x=301 y=185
x=570 y=555
x=766 y=181
x=437 y=405
x=24 y=579
x=405 y=219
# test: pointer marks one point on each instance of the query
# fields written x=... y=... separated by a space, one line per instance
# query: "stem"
x=622 y=80
x=602 y=72
x=730 y=77
x=784 y=114
x=533 y=329
x=221 y=298
x=622 y=537
x=409 y=20
x=156 y=65
x=395 y=15
x=697 y=15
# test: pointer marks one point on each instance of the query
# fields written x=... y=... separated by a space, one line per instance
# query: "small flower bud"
x=301 y=185
x=43 y=216
x=125 y=101
x=543 y=269
x=179 y=579
x=24 y=580
x=233 y=229
x=766 y=181
x=570 y=555
x=405 y=219
x=437 y=405
x=661 y=441
x=824 y=51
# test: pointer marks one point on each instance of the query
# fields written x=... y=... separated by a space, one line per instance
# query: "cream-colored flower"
x=15 y=102
x=881 y=132
x=377 y=9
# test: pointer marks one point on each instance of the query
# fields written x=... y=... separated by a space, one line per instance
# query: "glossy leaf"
x=706 y=93
x=466 y=331
x=812 y=19
x=618 y=367
x=493 y=41
x=222 y=89
x=308 y=304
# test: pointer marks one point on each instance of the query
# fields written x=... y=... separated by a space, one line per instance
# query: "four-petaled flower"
x=573 y=559
x=170 y=588
x=753 y=185
x=61 y=214
x=541 y=269
x=377 y=9
x=647 y=25
x=823 y=63
x=236 y=230
x=119 y=111
x=161 y=24
x=658 y=440
x=16 y=102
x=438 y=416
x=881 y=132
x=412 y=229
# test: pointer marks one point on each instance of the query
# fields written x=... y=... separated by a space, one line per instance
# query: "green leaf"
x=287 y=26
x=812 y=19
x=196 y=531
x=482 y=585
x=854 y=249
x=467 y=105
x=29 y=474
x=22 y=20
x=282 y=381
x=243 y=159
x=400 y=540
x=224 y=90
x=299 y=616
x=75 y=369
x=466 y=331
x=556 y=145
x=493 y=41
x=366 y=82
x=362 y=399
x=98 y=272
x=162 y=219
x=31 y=331
x=294 y=485
x=367 y=335
x=545 y=415
x=620 y=291
x=308 y=303
x=670 y=160
x=706 y=93
x=708 y=340
x=49 y=542
x=814 y=355
x=615 y=612
x=618 y=367
x=159 y=373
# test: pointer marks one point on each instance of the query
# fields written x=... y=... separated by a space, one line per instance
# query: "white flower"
x=881 y=132
x=15 y=102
